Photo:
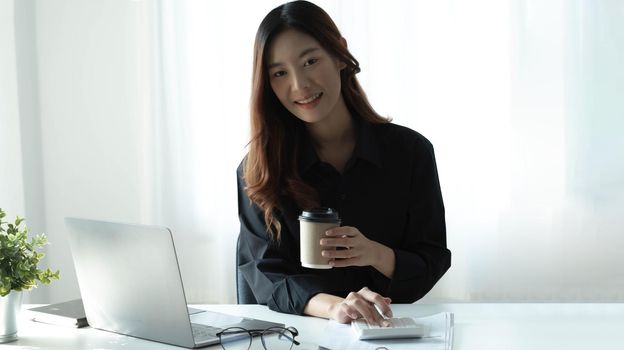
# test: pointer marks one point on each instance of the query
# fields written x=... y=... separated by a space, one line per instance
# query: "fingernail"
x=324 y=253
x=385 y=323
x=323 y=242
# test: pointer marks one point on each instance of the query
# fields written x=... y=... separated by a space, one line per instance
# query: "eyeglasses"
x=274 y=338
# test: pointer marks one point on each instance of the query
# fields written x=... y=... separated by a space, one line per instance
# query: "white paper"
x=337 y=336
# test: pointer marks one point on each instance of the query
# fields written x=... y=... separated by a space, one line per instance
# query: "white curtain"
x=137 y=111
x=520 y=99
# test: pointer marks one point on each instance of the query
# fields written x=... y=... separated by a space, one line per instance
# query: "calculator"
x=400 y=327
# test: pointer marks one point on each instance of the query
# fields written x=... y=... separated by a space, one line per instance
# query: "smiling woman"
x=316 y=141
x=138 y=110
x=304 y=75
x=308 y=85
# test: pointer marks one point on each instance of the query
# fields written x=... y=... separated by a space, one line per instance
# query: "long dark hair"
x=270 y=170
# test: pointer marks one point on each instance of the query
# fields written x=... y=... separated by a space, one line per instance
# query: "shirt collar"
x=366 y=147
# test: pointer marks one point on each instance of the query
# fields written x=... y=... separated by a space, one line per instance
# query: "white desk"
x=477 y=326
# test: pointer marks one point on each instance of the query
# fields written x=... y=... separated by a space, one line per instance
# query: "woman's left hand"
x=360 y=251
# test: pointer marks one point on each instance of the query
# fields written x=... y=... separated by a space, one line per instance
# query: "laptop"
x=130 y=284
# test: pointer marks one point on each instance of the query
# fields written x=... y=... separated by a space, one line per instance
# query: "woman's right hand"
x=361 y=304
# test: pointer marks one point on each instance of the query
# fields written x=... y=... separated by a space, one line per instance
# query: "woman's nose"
x=300 y=82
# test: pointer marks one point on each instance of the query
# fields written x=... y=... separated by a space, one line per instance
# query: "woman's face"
x=304 y=77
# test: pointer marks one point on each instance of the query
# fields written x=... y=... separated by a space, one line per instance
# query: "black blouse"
x=389 y=190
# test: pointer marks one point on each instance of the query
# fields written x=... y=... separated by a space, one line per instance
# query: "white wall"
x=97 y=147
x=94 y=89
x=11 y=183
x=30 y=126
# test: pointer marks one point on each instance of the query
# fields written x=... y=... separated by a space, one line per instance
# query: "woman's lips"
x=310 y=102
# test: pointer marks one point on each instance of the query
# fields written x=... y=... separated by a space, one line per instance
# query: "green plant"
x=19 y=258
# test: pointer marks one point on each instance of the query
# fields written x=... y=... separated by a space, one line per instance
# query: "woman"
x=316 y=141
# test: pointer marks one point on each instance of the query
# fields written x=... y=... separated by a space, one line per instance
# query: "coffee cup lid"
x=320 y=215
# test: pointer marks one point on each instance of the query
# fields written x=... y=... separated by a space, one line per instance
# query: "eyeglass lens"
x=275 y=338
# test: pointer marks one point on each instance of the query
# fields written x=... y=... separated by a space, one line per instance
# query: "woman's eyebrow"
x=303 y=53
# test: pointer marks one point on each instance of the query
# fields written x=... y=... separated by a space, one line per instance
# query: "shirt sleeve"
x=272 y=269
x=422 y=258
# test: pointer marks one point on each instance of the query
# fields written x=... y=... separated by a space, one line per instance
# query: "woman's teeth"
x=308 y=100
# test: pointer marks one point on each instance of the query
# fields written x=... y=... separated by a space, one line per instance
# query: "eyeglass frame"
x=254 y=332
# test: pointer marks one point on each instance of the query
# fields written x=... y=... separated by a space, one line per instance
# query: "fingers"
x=364 y=308
x=344 y=258
x=345 y=313
x=345 y=237
x=385 y=309
x=361 y=304
x=340 y=253
x=343 y=242
x=342 y=237
x=382 y=303
x=345 y=262
x=349 y=256
x=347 y=231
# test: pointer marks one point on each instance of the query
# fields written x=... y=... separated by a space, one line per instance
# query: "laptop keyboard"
x=202 y=332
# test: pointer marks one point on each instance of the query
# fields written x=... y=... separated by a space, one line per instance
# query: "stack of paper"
x=340 y=336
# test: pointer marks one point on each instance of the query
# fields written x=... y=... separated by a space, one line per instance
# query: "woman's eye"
x=279 y=74
x=310 y=62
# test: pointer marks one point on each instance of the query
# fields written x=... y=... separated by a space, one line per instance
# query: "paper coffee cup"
x=312 y=226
